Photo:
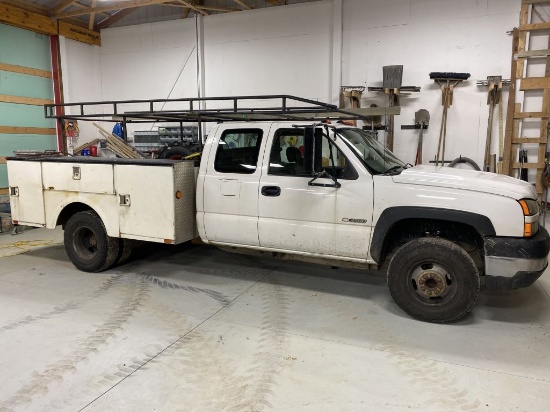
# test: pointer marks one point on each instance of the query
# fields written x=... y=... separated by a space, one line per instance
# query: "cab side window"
x=238 y=151
x=287 y=156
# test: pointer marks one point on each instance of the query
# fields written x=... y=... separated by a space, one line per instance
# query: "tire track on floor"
x=38 y=384
x=268 y=358
x=433 y=378
x=58 y=310
x=224 y=300
x=199 y=359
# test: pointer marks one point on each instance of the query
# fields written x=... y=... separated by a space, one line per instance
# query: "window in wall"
x=287 y=154
x=238 y=151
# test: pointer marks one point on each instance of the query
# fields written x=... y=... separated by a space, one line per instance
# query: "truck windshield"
x=371 y=152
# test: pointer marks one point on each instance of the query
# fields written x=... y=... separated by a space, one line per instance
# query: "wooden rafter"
x=214 y=8
x=84 y=7
x=107 y=13
x=92 y=17
x=191 y=6
x=62 y=5
x=187 y=10
x=30 y=7
x=113 y=6
x=103 y=24
x=243 y=4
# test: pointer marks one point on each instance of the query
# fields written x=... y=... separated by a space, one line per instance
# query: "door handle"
x=271 y=190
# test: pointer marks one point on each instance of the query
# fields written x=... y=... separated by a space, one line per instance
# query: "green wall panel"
x=24 y=85
x=3 y=176
x=24 y=48
x=28 y=49
x=23 y=115
x=11 y=142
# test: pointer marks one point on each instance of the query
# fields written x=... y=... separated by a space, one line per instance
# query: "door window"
x=287 y=156
x=238 y=151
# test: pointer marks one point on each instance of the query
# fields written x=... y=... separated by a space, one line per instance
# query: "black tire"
x=125 y=251
x=433 y=280
x=466 y=160
x=174 y=153
x=87 y=243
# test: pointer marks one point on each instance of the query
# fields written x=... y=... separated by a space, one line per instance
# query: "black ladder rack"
x=211 y=109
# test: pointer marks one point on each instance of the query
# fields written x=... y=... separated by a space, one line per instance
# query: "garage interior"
x=192 y=327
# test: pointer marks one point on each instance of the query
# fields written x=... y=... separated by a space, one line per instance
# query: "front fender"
x=393 y=215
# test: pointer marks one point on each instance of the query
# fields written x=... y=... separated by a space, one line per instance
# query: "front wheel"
x=87 y=243
x=434 y=280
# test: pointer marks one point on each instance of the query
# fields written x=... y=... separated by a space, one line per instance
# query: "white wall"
x=427 y=36
x=81 y=72
x=289 y=50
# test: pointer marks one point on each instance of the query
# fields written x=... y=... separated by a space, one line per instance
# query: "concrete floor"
x=194 y=328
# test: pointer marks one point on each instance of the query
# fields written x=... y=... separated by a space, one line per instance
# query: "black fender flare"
x=393 y=215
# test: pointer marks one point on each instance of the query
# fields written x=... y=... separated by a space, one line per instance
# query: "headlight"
x=530 y=207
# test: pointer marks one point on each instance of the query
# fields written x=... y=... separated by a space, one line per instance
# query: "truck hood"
x=471 y=180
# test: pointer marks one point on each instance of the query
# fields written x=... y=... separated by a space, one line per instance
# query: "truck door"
x=231 y=185
x=318 y=220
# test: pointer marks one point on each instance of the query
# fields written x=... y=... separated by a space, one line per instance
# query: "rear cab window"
x=238 y=151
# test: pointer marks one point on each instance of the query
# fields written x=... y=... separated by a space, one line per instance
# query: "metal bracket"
x=124 y=200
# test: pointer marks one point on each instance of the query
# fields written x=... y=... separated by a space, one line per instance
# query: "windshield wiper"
x=394 y=169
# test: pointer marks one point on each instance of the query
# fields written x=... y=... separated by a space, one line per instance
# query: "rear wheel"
x=87 y=243
x=434 y=280
x=174 y=153
x=125 y=251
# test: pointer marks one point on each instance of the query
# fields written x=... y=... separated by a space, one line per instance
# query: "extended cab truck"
x=328 y=194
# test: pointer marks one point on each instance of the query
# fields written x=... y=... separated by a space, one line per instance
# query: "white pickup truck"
x=323 y=193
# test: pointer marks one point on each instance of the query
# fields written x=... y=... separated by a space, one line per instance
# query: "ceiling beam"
x=191 y=6
x=103 y=24
x=26 y=6
x=63 y=4
x=120 y=5
x=243 y=4
x=220 y=9
x=188 y=10
x=84 y=7
x=92 y=17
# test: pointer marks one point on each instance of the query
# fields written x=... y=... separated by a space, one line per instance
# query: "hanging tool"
x=353 y=93
x=421 y=121
x=392 y=87
x=447 y=81
x=545 y=182
x=494 y=97
x=523 y=171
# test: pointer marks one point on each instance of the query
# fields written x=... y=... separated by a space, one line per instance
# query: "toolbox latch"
x=76 y=172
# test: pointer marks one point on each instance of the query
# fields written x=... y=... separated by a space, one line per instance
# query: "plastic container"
x=93 y=151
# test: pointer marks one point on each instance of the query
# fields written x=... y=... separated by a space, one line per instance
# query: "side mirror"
x=313 y=150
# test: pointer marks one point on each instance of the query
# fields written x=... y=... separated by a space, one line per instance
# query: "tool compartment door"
x=78 y=177
x=147 y=204
x=26 y=197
